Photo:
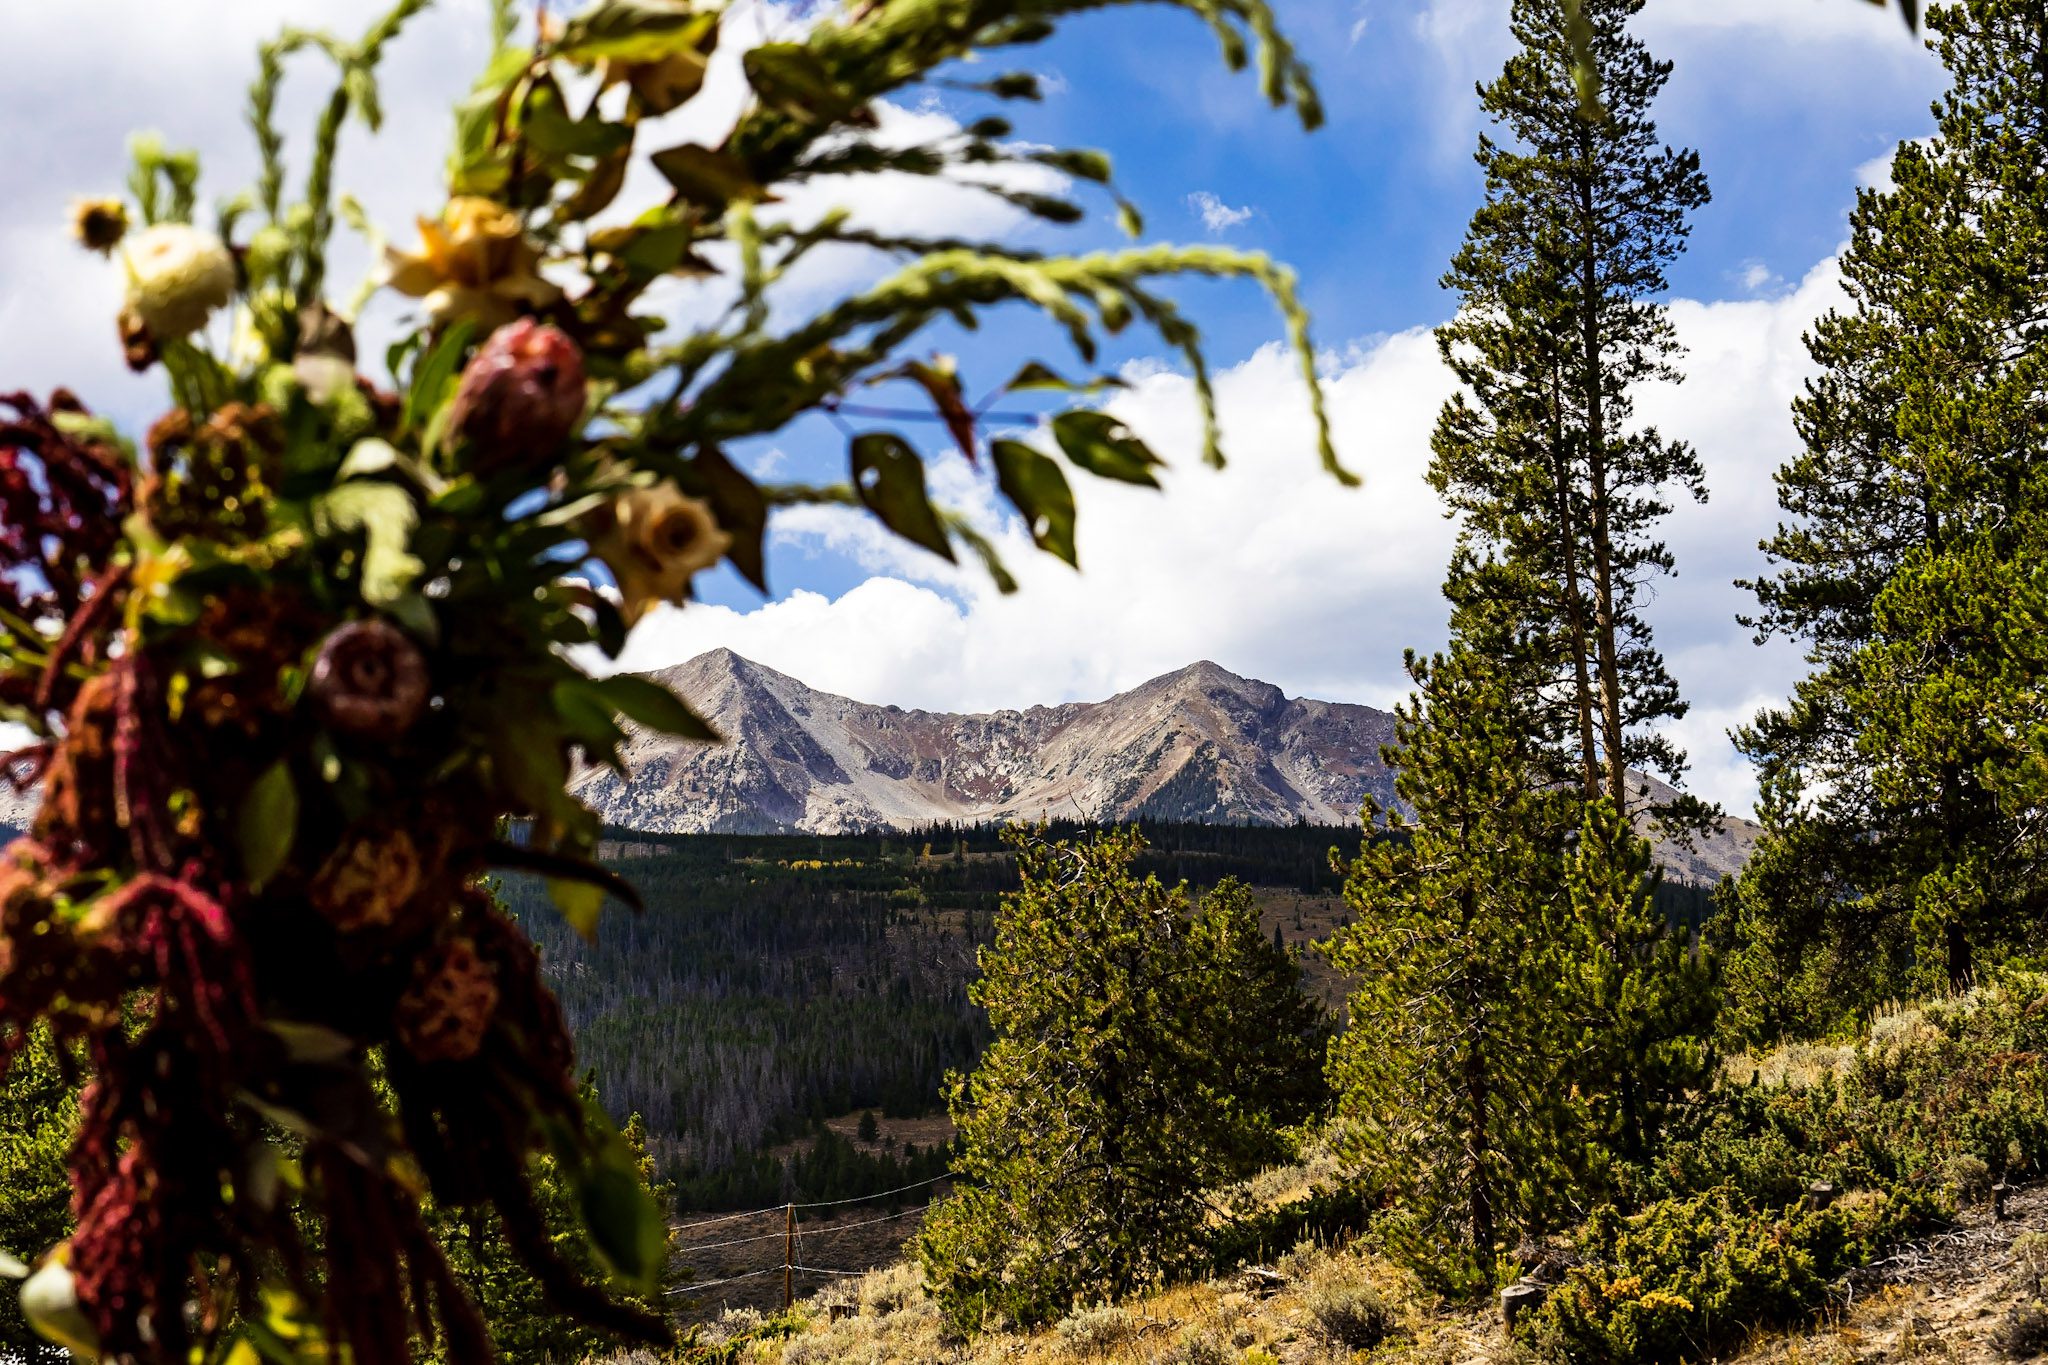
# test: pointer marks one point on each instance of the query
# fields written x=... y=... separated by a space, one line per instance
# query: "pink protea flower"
x=520 y=397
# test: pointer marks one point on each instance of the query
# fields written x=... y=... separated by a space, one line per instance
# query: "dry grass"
x=1793 y=1065
x=1333 y=1304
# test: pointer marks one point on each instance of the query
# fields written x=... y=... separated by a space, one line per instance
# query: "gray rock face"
x=1201 y=744
x=17 y=810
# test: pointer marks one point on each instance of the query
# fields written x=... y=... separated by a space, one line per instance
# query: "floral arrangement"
x=297 y=660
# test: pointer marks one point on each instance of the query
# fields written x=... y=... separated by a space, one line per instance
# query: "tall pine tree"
x=1453 y=1075
x=1558 y=488
x=1897 y=847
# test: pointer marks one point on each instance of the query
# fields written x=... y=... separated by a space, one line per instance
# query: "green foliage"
x=1558 y=488
x=1450 y=1075
x=778 y=980
x=1725 y=1239
x=1149 y=1048
x=1687 y=1278
x=1931 y=1086
x=1649 y=998
x=1355 y=1317
x=1899 y=851
x=38 y=1108
x=38 y=1112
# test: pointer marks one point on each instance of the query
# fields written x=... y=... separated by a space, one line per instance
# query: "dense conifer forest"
x=775 y=981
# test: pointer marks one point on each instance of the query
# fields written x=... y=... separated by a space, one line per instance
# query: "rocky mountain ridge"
x=1200 y=744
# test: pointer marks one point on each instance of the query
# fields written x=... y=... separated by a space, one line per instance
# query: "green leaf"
x=580 y=903
x=551 y=131
x=889 y=477
x=588 y=719
x=790 y=78
x=49 y=1300
x=267 y=824
x=1014 y=85
x=1036 y=375
x=635 y=31
x=434 y=378
x=650 y=704
x=625 y=1222
x=742 y=512
x=1033 y=483
x=601 y=185
x=387 y=516
x=1105 y=447
x=986 y=552
x=705 y=177
x=1080 y=162
x=652 y=249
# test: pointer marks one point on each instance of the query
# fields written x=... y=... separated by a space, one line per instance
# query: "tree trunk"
x=1604 y=624
x=1478 y=1099
x=1574 y=604
x=1962 y=968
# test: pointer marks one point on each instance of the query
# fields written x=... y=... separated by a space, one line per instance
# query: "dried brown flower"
x=369 y=880
x=216 y=480
x=370 y=681
x=99 y=224
x=445 y=1014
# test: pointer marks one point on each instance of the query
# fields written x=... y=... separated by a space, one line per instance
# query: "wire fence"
x=793 y=1262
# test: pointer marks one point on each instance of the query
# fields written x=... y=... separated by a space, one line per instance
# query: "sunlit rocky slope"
x=1200 y=744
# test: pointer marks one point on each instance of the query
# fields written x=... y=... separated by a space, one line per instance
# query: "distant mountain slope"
x=16 y=811
x=1201 y=744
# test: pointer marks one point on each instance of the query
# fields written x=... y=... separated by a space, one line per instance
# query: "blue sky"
x=1267 y=568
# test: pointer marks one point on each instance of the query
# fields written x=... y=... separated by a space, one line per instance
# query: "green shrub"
x=1950 y=1093
x=2024 y=1333
x=1686 y=1278
x=1353 y=1316
x=1098 y=1330
x=1198 y=1347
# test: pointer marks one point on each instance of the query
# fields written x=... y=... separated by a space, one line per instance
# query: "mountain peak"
x=1199 y=743
x=720 y=664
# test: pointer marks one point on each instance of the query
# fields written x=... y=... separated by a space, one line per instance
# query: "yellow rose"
x=474 y=262
x=178 y=276
x=655 y=541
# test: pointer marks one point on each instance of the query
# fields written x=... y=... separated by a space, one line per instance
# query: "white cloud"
x=1216 y=215
x=1272 y=570
x=1757 y=277
x=182 y=69
x=1798 y=20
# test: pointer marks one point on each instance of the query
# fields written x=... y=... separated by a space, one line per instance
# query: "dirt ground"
x=1944 y=1300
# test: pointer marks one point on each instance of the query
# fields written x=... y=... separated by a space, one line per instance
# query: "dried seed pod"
x=370 y=681
x=444 y=1016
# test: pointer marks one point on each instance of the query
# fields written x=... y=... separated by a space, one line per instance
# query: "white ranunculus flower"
x=178 y=276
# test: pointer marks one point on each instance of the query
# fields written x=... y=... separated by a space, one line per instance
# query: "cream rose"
x=178 y=277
